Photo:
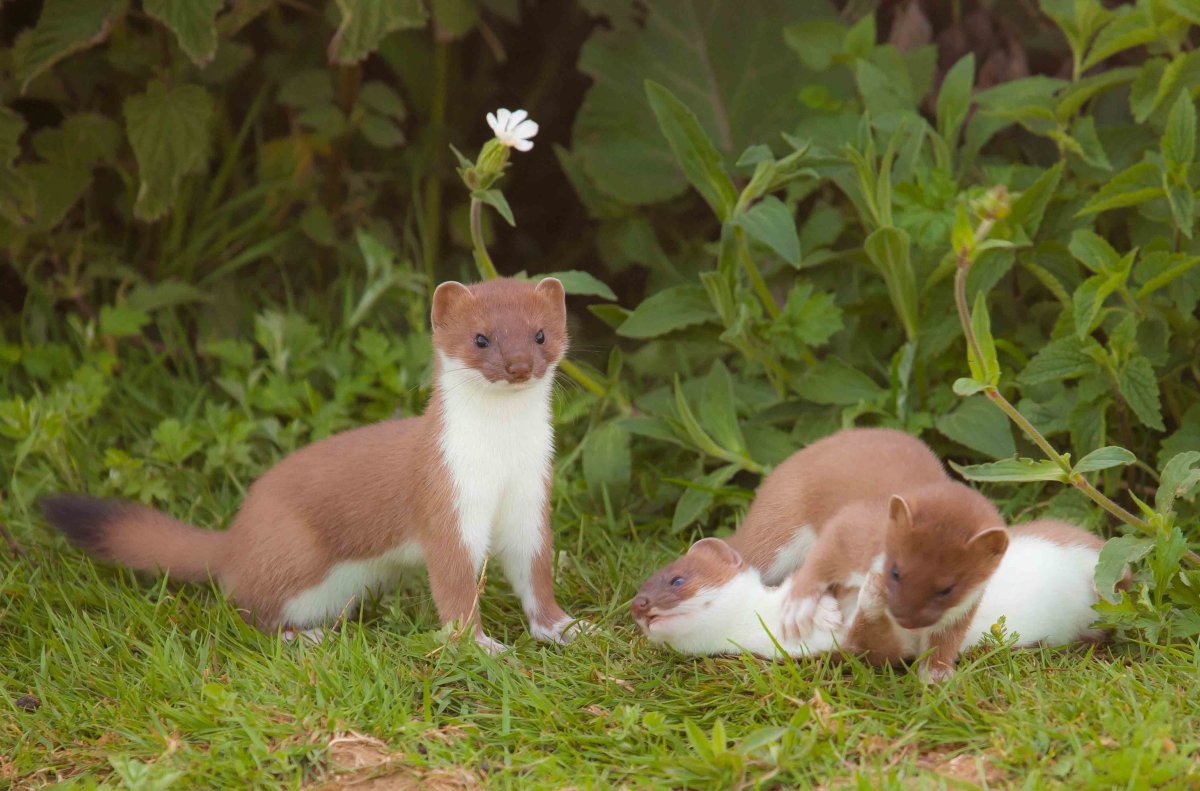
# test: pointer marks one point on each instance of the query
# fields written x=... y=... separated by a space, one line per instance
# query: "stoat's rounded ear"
x=899 y=512
x=993 y=541
x=552 y=289
x=447 y=298
x=718 y=549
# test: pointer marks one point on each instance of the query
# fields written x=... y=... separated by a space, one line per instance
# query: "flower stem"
x=756 y=278
x=487 y=270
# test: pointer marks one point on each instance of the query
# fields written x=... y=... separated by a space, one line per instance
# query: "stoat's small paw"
x=931 y=673
x=562 y=631
x=316 y=635
x=493 y=647
x=797 y=617
x=828 y=615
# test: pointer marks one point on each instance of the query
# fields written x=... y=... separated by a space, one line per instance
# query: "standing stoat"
x=340 y=518
x=711 y=602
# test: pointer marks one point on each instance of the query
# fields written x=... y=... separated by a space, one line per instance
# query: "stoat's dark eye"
x=895 y=572
x=482 y=342
x=676 y=582
x=540 y=337
x=944 y=592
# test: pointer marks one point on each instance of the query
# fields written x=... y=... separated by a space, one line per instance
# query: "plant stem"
x=756 y=278
x=433 y=182
x=487 y=270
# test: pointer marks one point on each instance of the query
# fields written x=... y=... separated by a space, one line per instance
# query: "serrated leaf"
x=1139 y=387
x=583 y=284
x=1126 y=31
x=808 y=319
x=1013 y=471
x=979 y=425
x=694 y=152
x=495 y=198
x=717 y=411
x=1116 y=554
x=64 y=27
x=1179 y=139
x=1093 y=251
x=987 y=369
x=1059 y=360
x=192 y=21
x=1030 y=206
x=1180 y=479
x=888 y=249
x=1145 y=87
x=1089 y=147
x=669 y=310
x=1156 y=270
x=365 y=23
x=832 y=381
x=1131 y=187
x=771 y=222
x=1088 y=299
x=168 y=129
x=606 y=462
x=954 y=98
x=1188 y=9
x=1103 y=459
x=1183 y=205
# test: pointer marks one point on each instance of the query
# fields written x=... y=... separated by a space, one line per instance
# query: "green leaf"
x=121 y=321
x=1139 y=387
x=1116 y=554
x=306 y=88
x=1086 y=143
x=495 y=198
x=808 y=319
x=582 y=284
x=669 y=310
x=771 y=222
x=968 y=387
x=1179 y=139
x=698 y=497
x=816 y=42
x=192 y=21
x=981 y=426
x=1131 y=187
x=150 y=297
x=365 y=23
x=1126 y=31
x=379 y=97
x=988 y=369
x=380 y=131
x=1093 y=251
x=693 y=150
x=954 y=98
x=1180 y=479
x=64 y=27
x=12 y=125
x=717 y=412
x=1029 y=208
x=169 y=130
x=832 y=381
x=888 y=249
x=1013 y=470
x=1156 y=270
x=1088 y=299
x=606 y=462
x=1188 y=9
x=1057 y=361
x=1183 y=205
x=1104 y=458
x=722 y=58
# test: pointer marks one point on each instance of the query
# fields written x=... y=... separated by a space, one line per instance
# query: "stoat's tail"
x=136 y=536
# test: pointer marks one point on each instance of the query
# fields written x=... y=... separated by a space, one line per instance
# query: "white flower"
x=514 y=129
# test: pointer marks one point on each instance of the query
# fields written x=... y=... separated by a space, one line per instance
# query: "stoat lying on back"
x=710 y=601
x=340 y=518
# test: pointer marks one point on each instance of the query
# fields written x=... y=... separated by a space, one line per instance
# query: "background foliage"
x=222 y=220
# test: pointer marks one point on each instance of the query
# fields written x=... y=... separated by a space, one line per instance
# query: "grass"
x=111 y=679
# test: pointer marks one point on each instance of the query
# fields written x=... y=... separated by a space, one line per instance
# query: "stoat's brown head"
x=708 y=565
x=510 y=331
x=943 y=542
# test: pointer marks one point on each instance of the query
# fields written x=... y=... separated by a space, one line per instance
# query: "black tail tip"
x=81 y=518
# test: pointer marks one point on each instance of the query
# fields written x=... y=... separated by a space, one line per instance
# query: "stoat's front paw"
x=562 y=631
x=316 y=635
x=934 y=673
x=798 y=617
x=828 y=615
x=493 y=647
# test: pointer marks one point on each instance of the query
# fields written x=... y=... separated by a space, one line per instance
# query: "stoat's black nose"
x=641 y=605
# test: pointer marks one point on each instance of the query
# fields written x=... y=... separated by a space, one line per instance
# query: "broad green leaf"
x=1030 y=206
x=652 y=427
x=1125 y=31
x=1013 y=470
x=64 y=27
x=606 y=462
x=365 y=23
x=695 y=432
x=1145 y=87
x=121 y=321
x=1104 y=458
x=669 y=310
x=1077 y=94
x=717 y=411
x=1118 y=553
x=1180 y=479
x=987 y=369
x=1139 y=387
x=979 y=425
x=1093 y=251
x=1059 y=360
x=381 y=131
x=698 y=497
x=495 y=198
x=1156 y=270
x=1188 y=9
x=724 y=59
x=379 y=97
x=1131 y=187
x=888 y=249
x=816 y=42
x=583 y=284
x=168 y=129
x=832 y=381
x=1088 y=299
x=694 y=152
x=954 y=98
x=808 y=319
x=1179 y=139
x=1181 y=73
x=771 y=222
x=192 y=21
x=968 y=387
x=12 y=125
x=1185 y=438
x=1086 y=143
x=1183 y=205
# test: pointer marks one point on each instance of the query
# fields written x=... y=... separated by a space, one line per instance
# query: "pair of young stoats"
x=881 y=553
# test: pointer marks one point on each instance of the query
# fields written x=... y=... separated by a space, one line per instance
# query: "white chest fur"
x=497 y=442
